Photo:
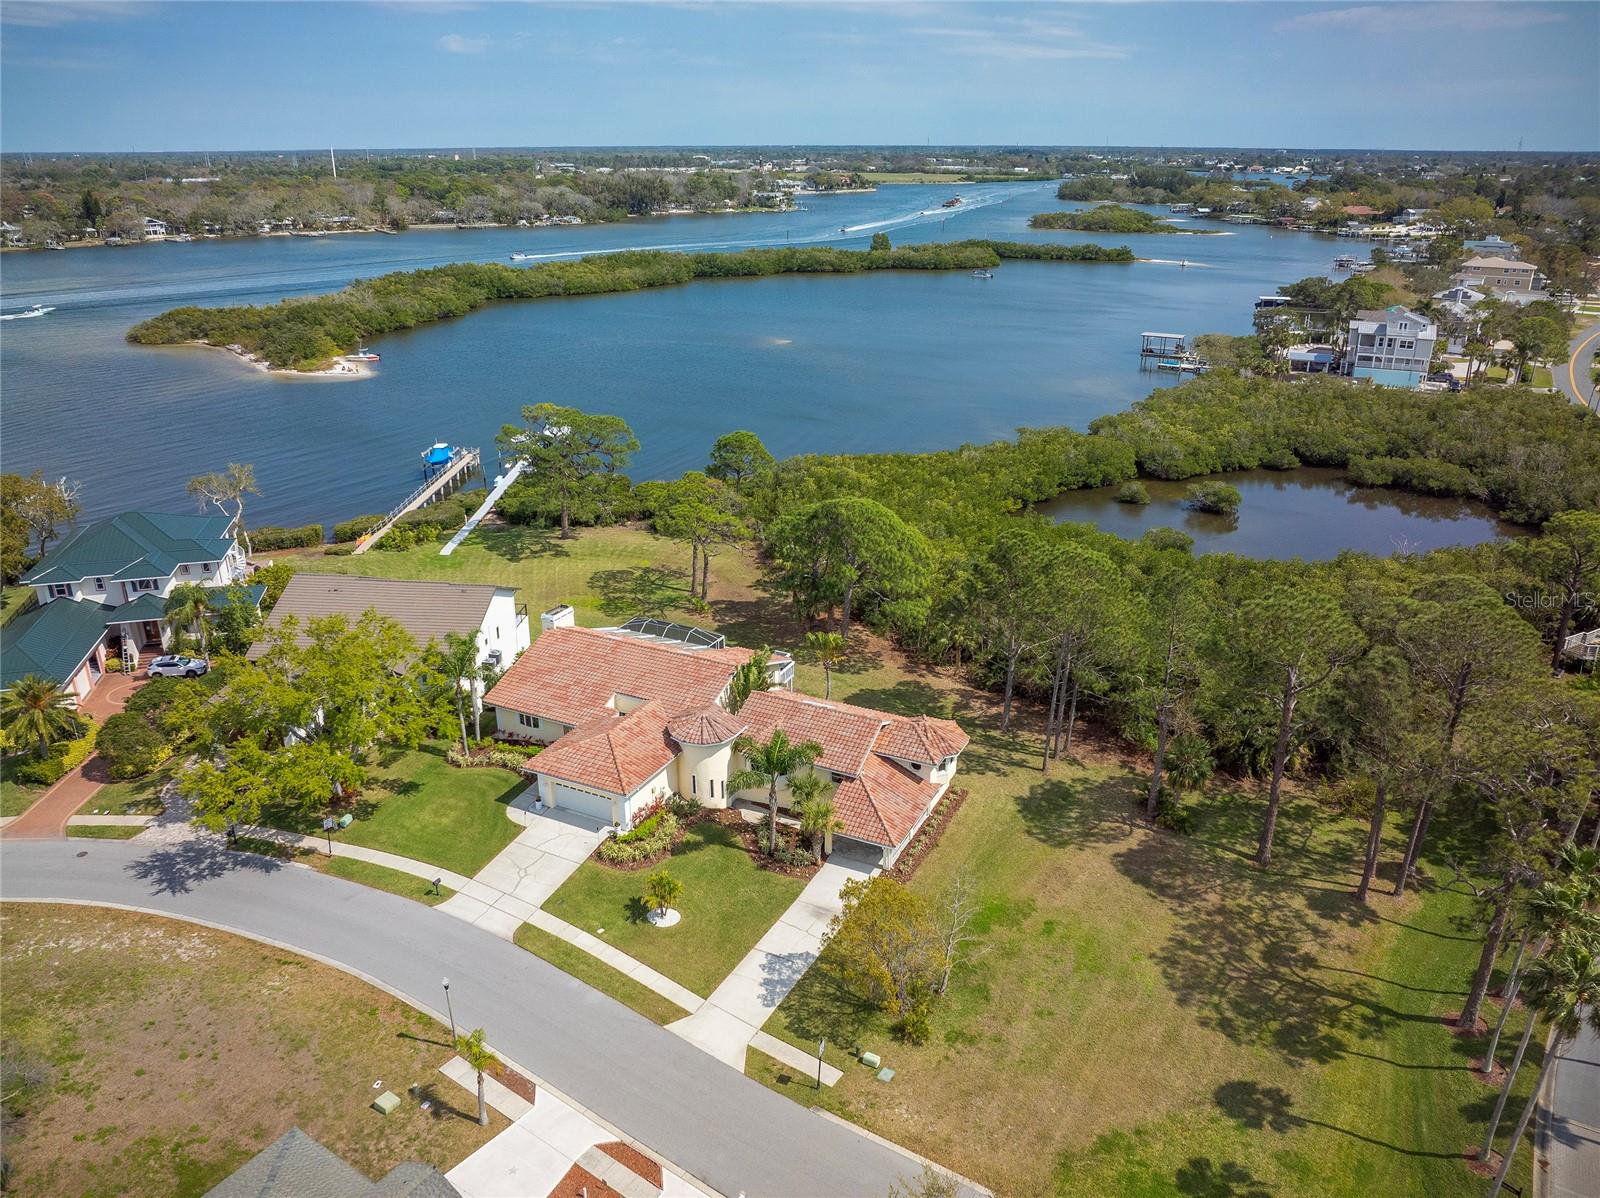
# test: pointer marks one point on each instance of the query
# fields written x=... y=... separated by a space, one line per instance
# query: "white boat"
x=983 y=274
x=362 y=355
x=520 y=256
x=36 y=310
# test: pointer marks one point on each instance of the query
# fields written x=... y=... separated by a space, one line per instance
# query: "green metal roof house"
x=102 y=592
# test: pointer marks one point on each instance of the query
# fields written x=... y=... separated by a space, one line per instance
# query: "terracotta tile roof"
x=923 y=738
x=883 y=805
x=616 y=755
x=704 y=726
x=845 y=733
x=571 y=674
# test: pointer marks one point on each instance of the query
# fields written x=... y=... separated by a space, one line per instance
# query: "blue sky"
x=222 y=75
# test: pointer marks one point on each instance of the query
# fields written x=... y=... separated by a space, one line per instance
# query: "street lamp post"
x=452 y=1011
x=821 y=1044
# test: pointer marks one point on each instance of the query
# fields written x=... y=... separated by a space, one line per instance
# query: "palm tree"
x=1563 y=989
x=765 y=764
x=827 y=649
x=815 y=808
x=457 y=661
x=663 y=890
x=476 y=1054
x=186 y=609
x=1553 y=910
x=35 y=709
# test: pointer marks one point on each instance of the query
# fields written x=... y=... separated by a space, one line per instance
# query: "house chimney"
x=560 y=616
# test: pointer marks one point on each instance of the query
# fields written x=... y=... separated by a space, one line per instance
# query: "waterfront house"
x=489 y=614
x=1498 y=274
x=154 y=227
x=1493 y=246
x=1459 y=300
x=1392 y=347
x=102 y=593
x=636 y=713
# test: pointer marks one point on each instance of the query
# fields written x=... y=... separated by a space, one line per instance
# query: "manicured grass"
x=1150 y=1014
x=418 y=805
x=104 y=831
x=142 y=796
x=14 y=601
x=596 y=973
x=172 y=1053
x=607 y=574
x=728 y=903
x=379 y=877
x=17 y=797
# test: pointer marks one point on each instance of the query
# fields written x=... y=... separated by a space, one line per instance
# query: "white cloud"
x=1018 y=38
x=1422 y=18
x=455 y=43
x=46 y=14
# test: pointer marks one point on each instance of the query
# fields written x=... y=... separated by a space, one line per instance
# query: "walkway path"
x=1569 y=1124
x=501 y=485
x=728 y=1021
x=718 y=1125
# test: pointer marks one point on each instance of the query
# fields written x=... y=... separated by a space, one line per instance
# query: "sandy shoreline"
x=343 y=368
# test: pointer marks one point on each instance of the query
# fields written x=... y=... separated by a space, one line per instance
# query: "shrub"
x=340 y=550
x=64 y=757
x=350 y=530
x=130 y=746
x=304 y=537
x=505 y=759
x=1168 y=538
x=1133 y=492
x=914 y=1026
x=113 y=665
x=684 y=808
x=647 y=840
x=1173 y=815
x=1217 y=498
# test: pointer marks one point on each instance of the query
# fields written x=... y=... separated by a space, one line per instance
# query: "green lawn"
x=418 y=805
x=142 y=796
x=104 y=831
x=379 y=877
x=17 y=797
x=728 y=903
x=1150 y=1015
x=14 y=601
x=592 y=972
x=605 y=573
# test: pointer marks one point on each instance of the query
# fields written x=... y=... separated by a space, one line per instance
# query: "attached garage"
x=588 y=803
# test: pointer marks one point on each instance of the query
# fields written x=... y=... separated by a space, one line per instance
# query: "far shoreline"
x=344 y=368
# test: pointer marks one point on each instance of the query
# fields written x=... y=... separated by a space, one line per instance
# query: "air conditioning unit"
x=494 y=657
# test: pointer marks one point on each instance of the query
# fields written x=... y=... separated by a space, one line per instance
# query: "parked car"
x=174 y=666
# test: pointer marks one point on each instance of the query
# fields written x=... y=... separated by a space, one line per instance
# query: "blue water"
x=911 y=361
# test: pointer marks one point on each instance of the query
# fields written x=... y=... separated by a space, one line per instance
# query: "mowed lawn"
x=728 y=903
x=417 y=805
x=1148 y=1015
x=607 y=574
x=165 y=1055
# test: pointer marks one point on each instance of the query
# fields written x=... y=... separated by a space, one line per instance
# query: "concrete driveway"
x=503 y=894
x=730 y=1132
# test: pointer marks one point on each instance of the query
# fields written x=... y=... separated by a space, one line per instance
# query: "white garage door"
x=583 y=802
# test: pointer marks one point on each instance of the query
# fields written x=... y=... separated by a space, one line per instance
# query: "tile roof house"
x=634 y=714
x=297 y=1166
x=103 y=590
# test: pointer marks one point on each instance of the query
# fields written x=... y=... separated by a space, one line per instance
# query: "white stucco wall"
x=503 y=629
x=702 y=773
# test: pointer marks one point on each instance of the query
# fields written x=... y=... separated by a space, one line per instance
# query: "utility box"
x=386 y=1103
x=870 y=1060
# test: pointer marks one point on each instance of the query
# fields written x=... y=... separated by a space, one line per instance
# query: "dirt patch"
x=1486 y=1167
x=1478 y=1028
x=631 y=1158
x=508 y=1077
x=580 y=1183
x=170 y=1054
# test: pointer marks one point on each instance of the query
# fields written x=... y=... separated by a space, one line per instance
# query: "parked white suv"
x=174 y=666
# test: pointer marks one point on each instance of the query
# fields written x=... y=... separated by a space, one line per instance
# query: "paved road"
x=732 y=1133
x=1573 y=376
x=1569 y=1131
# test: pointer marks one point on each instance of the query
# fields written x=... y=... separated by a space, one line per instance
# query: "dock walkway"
x=499 y=489
x=460 y=467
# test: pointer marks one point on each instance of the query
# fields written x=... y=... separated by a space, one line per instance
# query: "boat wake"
x=1186 y=263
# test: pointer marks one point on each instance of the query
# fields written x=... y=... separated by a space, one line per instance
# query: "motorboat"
x=983 y=274
x=952 y=202
x=363 y=355
x=36 y=310
x=519 y=256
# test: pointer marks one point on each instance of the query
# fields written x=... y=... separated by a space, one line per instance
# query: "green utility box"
x=386 y=1102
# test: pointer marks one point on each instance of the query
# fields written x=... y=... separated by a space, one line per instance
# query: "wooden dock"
x=463 y=463
x=501 y=485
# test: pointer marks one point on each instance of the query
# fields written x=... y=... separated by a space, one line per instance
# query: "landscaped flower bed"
x=927 y=836
x=649 y=841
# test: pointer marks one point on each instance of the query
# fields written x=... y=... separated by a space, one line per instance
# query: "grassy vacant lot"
x=728 y=903
x=605 y=573
x=1151 y=1015
x=418 y=805
x=170 y=1054
x=596 y=973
